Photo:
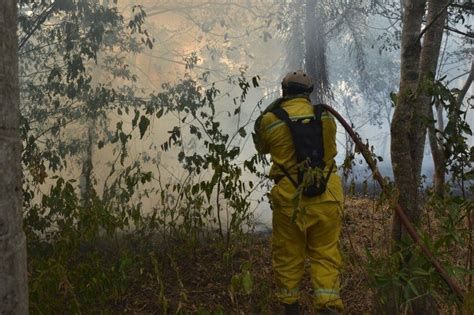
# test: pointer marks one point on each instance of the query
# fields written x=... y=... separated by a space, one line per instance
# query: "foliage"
x=93 y=245
x=73 y=71
x=405 y=275
x=447 y=229
x=243 y=281
x=455 y=136
x=75 y=75
x=186 y=210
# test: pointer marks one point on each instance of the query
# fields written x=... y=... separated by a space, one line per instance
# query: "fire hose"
x=452 y=284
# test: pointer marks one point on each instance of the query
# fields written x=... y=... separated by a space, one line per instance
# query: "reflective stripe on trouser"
x=315 y=235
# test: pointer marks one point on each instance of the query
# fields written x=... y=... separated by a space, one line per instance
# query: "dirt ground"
x=198 y=280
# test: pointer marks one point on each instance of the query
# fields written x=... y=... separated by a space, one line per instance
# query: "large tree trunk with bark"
x=13 y=275
x=412 y=112
x=439 y=159
x=295 y=47
x=405 y=139
x=315 y=47
x=437 y=13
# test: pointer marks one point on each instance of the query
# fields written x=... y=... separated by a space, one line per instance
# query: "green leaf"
x=413 y=288
x=123 y=138
x=394 y=98
x=234 y=283
x=143 y=125
x=135 y=119
x=255 y=81
x=181 y=156
x=195 y=189
x=247 y=283
x=242 y=132
x=160 y=113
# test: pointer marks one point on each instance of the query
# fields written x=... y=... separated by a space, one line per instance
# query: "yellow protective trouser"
x=315 y=235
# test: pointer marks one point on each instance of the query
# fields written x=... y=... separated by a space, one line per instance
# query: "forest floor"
x=199 y=280
x=142 y=274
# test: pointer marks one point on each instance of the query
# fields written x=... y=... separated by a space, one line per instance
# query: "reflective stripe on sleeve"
x=278 y=122
x=326 y=115
x=287 y=292
x=319 y=292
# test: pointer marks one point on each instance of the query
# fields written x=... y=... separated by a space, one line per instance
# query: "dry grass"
x=178 y=277
x=199 y=279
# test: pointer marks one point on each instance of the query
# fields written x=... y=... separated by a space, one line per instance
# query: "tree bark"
x=467 y=84
x=86 y=184
x=436 y=149
x=13 y=274
x=404 y=138
x=437 y=13
x=408 y=128
x=315 y=47
x=295 y=54
x=413 y=110
x=437 y=153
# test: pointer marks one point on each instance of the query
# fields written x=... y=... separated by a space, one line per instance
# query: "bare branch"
x=38 y=23
x=466 y=6
x=437 y=16
x=452 y=29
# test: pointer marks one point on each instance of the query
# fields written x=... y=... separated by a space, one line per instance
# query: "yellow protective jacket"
x=274 y=137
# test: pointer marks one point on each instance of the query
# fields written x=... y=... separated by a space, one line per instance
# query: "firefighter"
x=303 y=227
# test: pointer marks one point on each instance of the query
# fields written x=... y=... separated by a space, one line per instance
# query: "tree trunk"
x=13 y=275
x=467 y=84
x=295 y=46
x=86 y=184
x=437 y=13
x=439 y=159
x=409 y=124
x=409 y=120
x=437 y=151
x=315 y=47
x=404 y=139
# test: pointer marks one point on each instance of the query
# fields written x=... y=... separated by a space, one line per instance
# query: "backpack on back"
x=307 y=136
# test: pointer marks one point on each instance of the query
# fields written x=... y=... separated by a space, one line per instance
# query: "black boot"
x=292 y=309
x=328 y=311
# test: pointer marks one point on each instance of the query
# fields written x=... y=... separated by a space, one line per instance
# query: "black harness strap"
x=283 y=116
x=287 y=175
x=300 y=142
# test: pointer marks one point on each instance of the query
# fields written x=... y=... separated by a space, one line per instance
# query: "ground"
x=200 y=280
x=145 y=274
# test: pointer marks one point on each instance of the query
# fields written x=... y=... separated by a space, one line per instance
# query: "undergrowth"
x=130 y=273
